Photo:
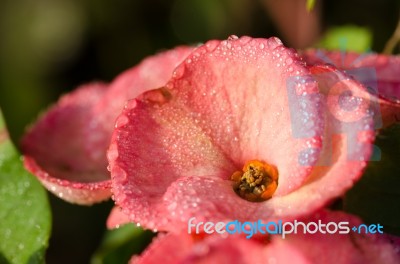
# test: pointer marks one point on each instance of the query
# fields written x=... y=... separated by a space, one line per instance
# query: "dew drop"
x=232 y=37
x=179 y=71
x=131 y=104
x=158 y=96
x=121 y=121
x=244 y=39
x=211 y=45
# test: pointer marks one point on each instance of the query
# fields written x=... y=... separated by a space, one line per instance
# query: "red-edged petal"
x=299 y=248
x=183 y=248
x=227 y=104
x=117 y=218
x=340 y=59
x=55 y=150
x=347 y=147
x=388 y=84
x=347 y=248
x=165 y=248
x=66 y=149
x=379 y=72
x=151 y=73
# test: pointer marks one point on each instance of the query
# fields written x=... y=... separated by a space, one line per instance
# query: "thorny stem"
x=393 y=41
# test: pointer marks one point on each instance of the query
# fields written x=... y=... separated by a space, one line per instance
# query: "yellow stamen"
x=256 y=182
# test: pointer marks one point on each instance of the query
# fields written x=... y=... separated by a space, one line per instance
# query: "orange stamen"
x=256 y=182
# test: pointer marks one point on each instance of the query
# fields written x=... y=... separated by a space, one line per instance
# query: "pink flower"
x=66 y=148
x=237 y=133
x=297 y=248
x=379 y=72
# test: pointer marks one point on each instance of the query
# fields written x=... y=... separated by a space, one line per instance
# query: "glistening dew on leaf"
x=233 y=104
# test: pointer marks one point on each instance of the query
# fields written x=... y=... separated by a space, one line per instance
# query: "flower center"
x=256 y=182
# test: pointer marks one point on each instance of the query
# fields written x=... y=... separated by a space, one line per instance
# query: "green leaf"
x=376 y=197
x=120 y=244
x=310 y=5
x=25 y=215
x=347 y=38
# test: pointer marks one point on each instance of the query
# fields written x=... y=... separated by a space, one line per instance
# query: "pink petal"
x=178 y=165
x=182 y=248
x=387 y=73
x=388 y=80
x=166 y=248
x=212 y=198
x=64 y=166
x=386 y=67
x=335 y=248
x=153 y=72
x=66 y=149
x=299 y=248
x=384 y=76
x=340 y=59
x=117 y=218
x=229 y=105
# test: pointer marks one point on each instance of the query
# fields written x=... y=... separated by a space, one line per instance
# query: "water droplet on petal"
x=180 y=70
x=121 y=121
x=211 y=45
x=232 y=37
x=158 y=96
x=131 y=104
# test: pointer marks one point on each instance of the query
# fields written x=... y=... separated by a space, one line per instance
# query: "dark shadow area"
x=77 y=231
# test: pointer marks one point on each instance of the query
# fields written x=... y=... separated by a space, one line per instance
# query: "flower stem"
x=393 y=41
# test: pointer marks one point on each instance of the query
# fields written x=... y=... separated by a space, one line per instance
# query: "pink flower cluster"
x=241 y=129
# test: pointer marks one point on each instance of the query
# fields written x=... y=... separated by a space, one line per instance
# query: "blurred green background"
x=49 y=47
